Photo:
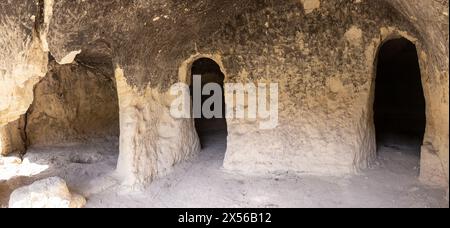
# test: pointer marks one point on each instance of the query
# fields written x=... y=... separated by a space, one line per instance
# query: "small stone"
x=48 y=193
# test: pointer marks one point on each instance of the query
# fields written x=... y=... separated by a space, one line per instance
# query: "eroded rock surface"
x=73 y=103
x=322 y=54
x=22 y=59
x=23 y=62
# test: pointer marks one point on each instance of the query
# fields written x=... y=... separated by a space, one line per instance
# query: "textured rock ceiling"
x=175 y=21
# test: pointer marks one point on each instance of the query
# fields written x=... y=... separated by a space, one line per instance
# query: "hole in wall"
x=400 y=117
x=213 y=131
x=73 y=122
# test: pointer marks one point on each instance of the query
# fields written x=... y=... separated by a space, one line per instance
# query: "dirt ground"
x=201 y=182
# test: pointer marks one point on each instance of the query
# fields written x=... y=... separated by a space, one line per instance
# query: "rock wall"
x=23 y=62
x=320 y=60
x=12 y=138
x=322 y=54
x=73 y=103
x=323 y=59
x=151 y=140
x=431 y=19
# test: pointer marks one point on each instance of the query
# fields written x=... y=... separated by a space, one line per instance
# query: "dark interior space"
x=400 y=117
x=212 y=131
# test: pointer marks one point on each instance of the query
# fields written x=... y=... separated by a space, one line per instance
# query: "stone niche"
x=73 y=103
x=23 y=62
x=321 y=53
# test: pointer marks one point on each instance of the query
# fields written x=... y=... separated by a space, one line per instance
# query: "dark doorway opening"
x=213 y=131
x=400 y=117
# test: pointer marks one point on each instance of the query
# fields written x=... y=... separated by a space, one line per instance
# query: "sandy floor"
x=202 y=183
x=81 y=165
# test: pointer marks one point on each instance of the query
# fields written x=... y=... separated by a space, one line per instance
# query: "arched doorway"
x=211 y=127
x=400 y=117
x=71 y=129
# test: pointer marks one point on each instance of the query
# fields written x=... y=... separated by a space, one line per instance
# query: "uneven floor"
x=81 y=165
x=202 y=183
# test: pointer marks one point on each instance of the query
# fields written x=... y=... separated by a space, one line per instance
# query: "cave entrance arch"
x=212 y=132
x=399 y=108
x=74 y=116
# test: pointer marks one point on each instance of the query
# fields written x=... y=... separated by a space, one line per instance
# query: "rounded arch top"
x=184 y=71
